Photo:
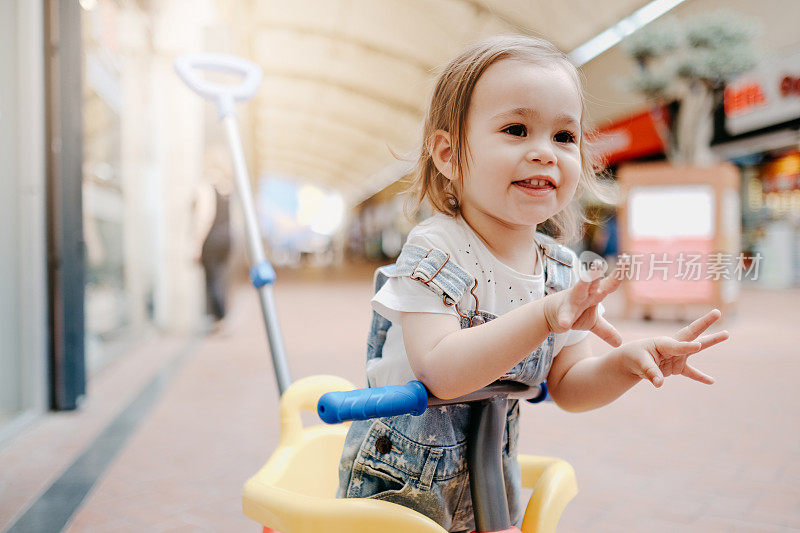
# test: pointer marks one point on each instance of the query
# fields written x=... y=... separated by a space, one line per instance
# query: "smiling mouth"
x=535 y=184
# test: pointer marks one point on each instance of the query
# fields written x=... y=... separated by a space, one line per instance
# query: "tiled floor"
x=686 y=457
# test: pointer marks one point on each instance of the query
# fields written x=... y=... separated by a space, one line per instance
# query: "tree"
x=690 y=62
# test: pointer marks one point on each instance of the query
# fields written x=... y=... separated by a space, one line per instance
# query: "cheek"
x=572 y=172
x=491 y=165
x=571 y=188
x=572 y=168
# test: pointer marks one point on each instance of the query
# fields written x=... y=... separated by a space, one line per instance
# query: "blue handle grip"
x=361 y=404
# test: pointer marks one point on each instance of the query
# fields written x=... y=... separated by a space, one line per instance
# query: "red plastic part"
x=269 y=530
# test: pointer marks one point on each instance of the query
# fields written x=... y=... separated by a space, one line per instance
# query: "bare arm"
x=451 y=361
x=579 y=382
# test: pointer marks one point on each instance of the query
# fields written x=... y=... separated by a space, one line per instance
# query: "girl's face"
x=523 y=134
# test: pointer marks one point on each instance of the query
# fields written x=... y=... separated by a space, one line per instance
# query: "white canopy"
x=346 y=81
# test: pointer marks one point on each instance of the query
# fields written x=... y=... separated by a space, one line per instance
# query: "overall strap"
x=557 y=265
x=382 y=275
x=431 y=267
x=434 y=268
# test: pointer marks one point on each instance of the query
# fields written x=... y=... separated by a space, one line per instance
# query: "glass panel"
x=9 y=219
x=107 y=303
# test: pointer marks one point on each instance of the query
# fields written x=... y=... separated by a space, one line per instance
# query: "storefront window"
x=108 y=304
x=23 y=292
x=9 y=222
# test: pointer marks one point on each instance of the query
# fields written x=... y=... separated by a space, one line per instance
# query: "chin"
x=530 y=222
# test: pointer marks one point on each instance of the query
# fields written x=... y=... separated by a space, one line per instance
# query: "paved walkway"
x=687 y=457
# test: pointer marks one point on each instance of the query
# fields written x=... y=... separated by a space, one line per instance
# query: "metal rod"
x=256 y=253
x=508 y=389
x=486 y=481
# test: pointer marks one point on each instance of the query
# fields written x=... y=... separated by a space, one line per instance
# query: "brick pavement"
x=686 y=457
x=31 y=461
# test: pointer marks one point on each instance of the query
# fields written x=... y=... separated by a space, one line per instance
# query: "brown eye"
x=564 y=137
x=517 y=130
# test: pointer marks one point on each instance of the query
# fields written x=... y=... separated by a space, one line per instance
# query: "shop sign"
x=634 y=136
x=768 y=95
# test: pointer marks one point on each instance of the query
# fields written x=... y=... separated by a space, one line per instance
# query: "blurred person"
x=213 y=235
x=480 y=295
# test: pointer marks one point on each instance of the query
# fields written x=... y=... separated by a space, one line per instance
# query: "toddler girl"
x=478 y=294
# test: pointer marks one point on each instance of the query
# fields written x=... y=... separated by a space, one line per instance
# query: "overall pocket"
x=376 y=481
x=394 y=468
x=388 y=462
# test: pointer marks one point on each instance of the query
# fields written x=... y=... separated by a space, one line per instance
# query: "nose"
x=541 y=151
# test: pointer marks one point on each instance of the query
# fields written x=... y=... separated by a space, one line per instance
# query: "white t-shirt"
x=500 y=289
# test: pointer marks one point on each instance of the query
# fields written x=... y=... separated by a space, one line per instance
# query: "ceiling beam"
x=367 y=134
x=338 y=36
x=382 y=99
x=284 y=153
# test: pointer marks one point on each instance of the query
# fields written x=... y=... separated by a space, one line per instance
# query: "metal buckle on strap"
x=455 y=305
x=426 y=281
x=445 y=296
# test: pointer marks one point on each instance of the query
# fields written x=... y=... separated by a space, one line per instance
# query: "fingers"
x=650 y=371
x=690 y=332
x=594 y=271
x=598 y=284
x=591 y=293
x=606 y=331
x=581 y=289
x=609 y=284
x=621 y=270
x=691 y=372
x=584 y=288
x=654 y=376
x=674 y=347
x=664 y=349
x=707 y=341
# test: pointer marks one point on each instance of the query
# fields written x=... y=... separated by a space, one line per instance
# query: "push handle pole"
x=262 y=275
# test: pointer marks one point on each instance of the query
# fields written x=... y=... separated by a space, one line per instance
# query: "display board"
x=680 y=231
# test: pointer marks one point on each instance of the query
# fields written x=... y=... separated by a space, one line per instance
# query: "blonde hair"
x=448 y=111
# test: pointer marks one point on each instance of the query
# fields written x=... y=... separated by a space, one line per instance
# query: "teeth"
x=537 y=183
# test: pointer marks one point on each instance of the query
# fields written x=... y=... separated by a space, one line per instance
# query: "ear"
x=442 y=153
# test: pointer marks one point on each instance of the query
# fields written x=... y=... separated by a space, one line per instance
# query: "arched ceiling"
x=346 y=81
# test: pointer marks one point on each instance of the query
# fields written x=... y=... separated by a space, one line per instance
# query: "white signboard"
x=671 y=211
x=767 y=95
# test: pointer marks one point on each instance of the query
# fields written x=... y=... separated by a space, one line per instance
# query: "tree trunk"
x=696 y=126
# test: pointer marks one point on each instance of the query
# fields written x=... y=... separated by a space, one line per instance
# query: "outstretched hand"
x=659 y=357
x=576 y=307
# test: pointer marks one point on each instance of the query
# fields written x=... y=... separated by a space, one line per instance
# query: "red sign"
x=635 y=136
x=790 y=86
x=743 y=97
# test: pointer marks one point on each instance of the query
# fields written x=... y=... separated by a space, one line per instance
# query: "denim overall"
x=420 y=461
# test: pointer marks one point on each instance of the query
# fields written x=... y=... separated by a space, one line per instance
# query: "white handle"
x=189 y=69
